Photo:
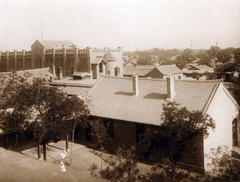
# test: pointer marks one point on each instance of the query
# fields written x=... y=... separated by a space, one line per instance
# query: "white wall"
x=222 y=110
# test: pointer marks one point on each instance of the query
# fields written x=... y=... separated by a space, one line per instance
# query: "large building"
x=66 y=58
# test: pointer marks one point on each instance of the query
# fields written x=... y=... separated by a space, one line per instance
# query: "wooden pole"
x=72 y=144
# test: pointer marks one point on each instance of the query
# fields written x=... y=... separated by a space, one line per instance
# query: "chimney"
x=170 y=88
x=135 y=84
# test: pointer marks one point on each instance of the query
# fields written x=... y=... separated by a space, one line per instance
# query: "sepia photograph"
x=122 y=91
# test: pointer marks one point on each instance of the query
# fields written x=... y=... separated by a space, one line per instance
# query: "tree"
x=145 y=60
x=205 y=60
x=13 y=115
x=176 y=136
x=47 y=112
x=213 y=51
x=56 y=114
x=224 y=56
x=99 y=131
x=184 y=58
x=120 y=167
x=223 y=166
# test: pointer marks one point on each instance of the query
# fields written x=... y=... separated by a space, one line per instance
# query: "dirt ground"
x=23 y=166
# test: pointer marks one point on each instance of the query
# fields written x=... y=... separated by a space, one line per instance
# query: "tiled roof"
x=144 y=67
x=140 y=70
x=109 y=57
x=131 y=71
x=76 y=90
x=168 y=69
x=198 y=69
x=112 y=98
x=143 y=70
x=132 y=65
x=49 y=44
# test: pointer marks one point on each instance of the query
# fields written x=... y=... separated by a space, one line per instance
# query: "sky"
x=131 y=24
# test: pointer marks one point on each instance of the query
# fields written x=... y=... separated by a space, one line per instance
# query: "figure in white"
x=63 y=154
x=63 y=169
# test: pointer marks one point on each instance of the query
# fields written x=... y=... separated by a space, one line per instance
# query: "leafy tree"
x=184 y=58
x=120 y=167
x=205 y=60
x=223 y=166
x=237 y=57
x=201 y=54
x=56 y=114
x=99 y=131
x=176 y=136
x=10 y=82
x=145 y=60
x=49 y=112
x=213 y=51
x=13 y=115
x=224 y=56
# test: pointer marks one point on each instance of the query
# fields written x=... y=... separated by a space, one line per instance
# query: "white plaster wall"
x=117 y=53
x=223 y=111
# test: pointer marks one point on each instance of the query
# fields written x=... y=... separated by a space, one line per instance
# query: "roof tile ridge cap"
x=201 y=81
x=94 y=86
x=115 y=77
x=151 y=79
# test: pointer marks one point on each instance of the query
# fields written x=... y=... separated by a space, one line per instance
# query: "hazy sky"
x=132 y=24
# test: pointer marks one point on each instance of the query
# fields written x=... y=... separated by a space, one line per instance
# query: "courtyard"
x=23 y=166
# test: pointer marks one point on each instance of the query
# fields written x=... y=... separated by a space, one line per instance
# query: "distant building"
x=197 y=71
x=154 y=71
x=140 y=70
x=164 y=70
x=131 y=65
x=63 y=57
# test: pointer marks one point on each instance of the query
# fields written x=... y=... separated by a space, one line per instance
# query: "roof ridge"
x=207 y=104
x=94 y=86
x=202 y=81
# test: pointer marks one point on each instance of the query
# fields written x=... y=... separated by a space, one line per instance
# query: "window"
x=100 y=67
x=117 y=70
x=110 y=129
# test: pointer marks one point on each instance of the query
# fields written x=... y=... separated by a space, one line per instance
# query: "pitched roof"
x=168 y=69
x=109 y=57
x=97 y=60
x=82 y=91
x=112 y=98
x=143 y=70
x=140 y=70
x=198 y=69
x=50 y=44
x=131 y=64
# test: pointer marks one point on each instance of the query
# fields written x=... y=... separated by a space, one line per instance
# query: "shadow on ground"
x=9 y=142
